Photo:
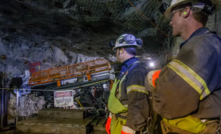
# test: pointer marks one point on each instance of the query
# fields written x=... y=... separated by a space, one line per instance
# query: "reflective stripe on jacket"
x=131 y=93
x=191 y=84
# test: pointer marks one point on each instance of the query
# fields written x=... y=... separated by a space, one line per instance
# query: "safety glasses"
x=173 y=12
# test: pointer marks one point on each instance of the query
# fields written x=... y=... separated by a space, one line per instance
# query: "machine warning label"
x=63 y=94
x=63 y=98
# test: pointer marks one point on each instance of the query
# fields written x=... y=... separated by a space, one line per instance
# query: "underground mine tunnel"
x=77 y=66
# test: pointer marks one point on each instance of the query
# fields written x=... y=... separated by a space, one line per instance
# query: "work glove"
x=127 y=130
x=108 y=123
x=152 y=76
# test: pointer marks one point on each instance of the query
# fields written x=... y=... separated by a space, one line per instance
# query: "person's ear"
x=186 y=12
x=121 y=50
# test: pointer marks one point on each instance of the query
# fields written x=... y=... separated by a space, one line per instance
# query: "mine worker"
x=187 y=91
x=128 y=100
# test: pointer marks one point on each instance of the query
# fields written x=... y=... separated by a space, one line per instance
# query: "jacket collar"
x=127 y=63
x=197 y=32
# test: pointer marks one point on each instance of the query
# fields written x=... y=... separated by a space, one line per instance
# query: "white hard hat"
x=173 y=4
x=201 y=4
x=128 y=40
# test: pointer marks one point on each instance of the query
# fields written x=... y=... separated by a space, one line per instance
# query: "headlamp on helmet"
x=112 y=44
x=209 y=9
x=139 y=41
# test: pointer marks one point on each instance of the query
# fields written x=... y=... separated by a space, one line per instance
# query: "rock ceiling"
x=78 y=26
x=83 y=26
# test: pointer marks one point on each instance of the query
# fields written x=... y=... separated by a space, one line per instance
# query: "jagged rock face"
x=62 y=32
x=22 y=55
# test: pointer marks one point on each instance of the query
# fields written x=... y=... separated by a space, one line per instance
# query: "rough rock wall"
x=218 y=23
x=38 y=35
x=28 y=105
x=21 y=55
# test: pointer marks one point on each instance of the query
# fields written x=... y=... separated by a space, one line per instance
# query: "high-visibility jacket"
x=190 y=85
x=130 y=95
